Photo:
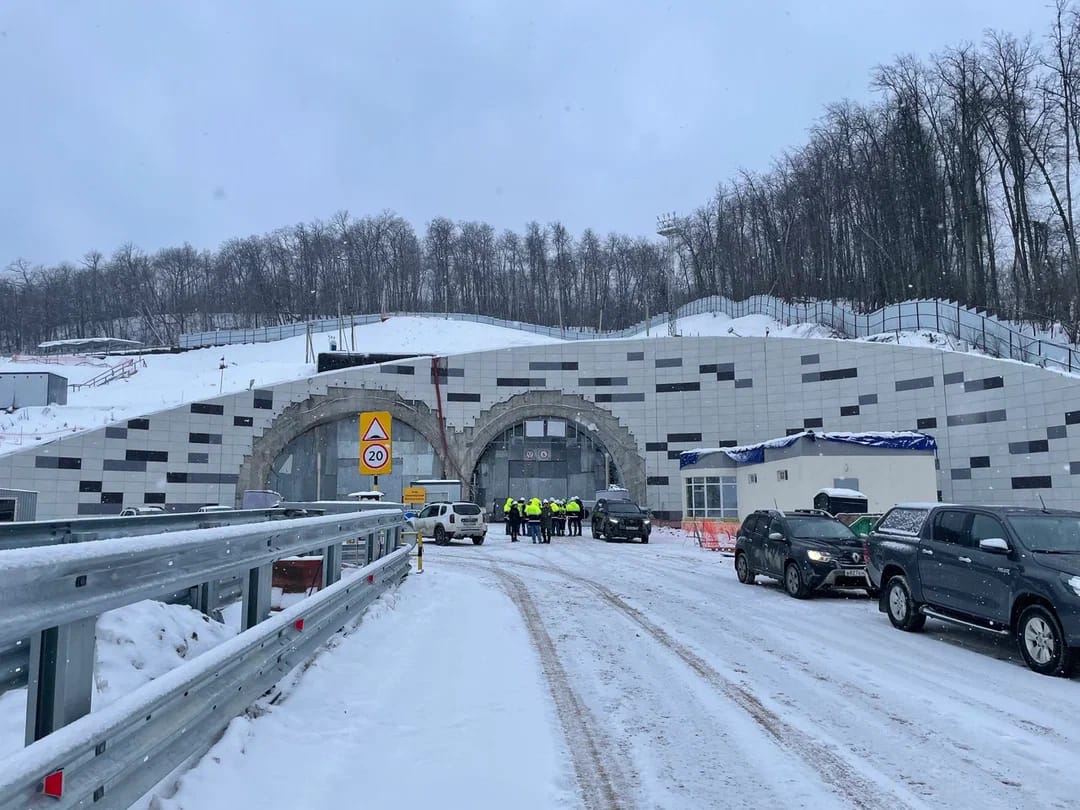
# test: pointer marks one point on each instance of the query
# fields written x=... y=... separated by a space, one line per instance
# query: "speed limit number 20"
x=376 y=458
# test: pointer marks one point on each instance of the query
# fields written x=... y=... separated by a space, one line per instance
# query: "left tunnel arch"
x=336 y=405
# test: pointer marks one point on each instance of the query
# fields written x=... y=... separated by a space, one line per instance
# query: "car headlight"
x=819 y=556
x=648 y=522
x=1073 y=584
x=613 y=520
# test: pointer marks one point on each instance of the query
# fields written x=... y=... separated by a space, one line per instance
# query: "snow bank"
x=721 y=325
x=135 y=645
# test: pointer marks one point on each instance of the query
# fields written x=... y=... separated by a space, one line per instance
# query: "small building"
x=17 y=504
x=725 y=484
x=439 y=489
x=24 y=390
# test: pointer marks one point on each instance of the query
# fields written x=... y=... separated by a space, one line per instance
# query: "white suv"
x=447 y=521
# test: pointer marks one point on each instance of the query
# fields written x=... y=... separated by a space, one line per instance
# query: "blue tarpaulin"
x=755 y=453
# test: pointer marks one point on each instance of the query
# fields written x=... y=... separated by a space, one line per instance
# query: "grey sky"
x=199 y=120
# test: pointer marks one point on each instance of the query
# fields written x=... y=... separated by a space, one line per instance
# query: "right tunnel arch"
x=590 y=424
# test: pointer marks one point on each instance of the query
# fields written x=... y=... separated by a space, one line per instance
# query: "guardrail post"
x=206 y=598
x=256 y=594
x=369 y=543
x=331 y=567
x=61 y=677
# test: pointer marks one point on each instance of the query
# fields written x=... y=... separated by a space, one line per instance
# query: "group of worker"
x=541 y=518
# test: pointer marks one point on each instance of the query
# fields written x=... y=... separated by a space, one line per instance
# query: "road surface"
x=592 y=675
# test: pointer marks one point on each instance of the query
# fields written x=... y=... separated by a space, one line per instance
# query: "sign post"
x=376 y=445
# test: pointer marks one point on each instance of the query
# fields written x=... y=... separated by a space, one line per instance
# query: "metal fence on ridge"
x=974 y=329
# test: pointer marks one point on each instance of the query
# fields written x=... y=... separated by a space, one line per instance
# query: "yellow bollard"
x=419 y=553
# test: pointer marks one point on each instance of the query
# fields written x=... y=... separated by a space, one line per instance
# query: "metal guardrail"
x=29 y=534
x=53 y=595
x=117 y=754
x=996 y=336
x=15 y=656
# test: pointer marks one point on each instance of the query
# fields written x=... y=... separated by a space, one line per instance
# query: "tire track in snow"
x=1018 y=776
x=600 y=790
x=957 y=695
x=836 y=771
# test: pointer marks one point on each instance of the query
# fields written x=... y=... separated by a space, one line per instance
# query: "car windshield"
x=1056 y=534
x=819 y=528
x=623 y=508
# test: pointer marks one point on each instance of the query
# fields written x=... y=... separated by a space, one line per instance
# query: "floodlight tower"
x=669 y=226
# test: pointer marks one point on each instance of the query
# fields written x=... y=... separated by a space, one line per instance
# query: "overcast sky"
x=165 y=122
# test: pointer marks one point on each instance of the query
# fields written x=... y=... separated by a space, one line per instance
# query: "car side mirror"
x=995 y=545
x=775 y=536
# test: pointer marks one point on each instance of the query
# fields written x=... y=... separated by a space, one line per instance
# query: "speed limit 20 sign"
x=376 y=456
x=376 y=459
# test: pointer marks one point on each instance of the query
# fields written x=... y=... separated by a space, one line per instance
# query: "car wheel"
x=1042 y=643
x=440 y=536
x=644 y=538
x=903 y=612
x=478 y=541
x=793 y=581
x=597 y=532
x=742 y=570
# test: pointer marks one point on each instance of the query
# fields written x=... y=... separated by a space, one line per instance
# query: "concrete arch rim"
x=332 y=407
x=615 y=437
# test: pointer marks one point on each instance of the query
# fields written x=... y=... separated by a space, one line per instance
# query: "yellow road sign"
x=414 y=495
x=375 y=426
x=376 y=445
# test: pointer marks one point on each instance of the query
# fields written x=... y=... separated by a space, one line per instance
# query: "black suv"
x=805 y=549
x=620 y=520
x=1008 y=570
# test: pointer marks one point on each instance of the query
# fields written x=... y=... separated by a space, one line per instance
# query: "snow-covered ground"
x=584 y=674
x=168 y=380
x=708 y=324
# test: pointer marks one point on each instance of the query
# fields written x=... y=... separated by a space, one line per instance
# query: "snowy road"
x=584 y=674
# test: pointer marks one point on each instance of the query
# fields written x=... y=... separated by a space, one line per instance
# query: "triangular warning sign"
x=375 y=432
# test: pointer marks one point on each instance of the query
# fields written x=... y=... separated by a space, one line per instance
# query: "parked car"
x=215 y=507
x=806 y=550
x=448 y=521
x=620 y=520
x=140 y=511
x=1013 y=571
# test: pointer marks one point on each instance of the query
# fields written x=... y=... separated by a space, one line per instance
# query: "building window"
x=712 y=496
x=751 y=478
x=781 y=475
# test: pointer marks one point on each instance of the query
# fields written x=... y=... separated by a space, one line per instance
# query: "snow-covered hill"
x=165 y=381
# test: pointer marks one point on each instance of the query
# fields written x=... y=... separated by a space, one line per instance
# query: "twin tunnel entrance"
x=554 y=452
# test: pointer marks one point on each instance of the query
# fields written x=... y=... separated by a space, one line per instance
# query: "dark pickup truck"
x=1006 y=570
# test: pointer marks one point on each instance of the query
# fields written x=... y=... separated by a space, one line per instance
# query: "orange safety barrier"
x=713 y=535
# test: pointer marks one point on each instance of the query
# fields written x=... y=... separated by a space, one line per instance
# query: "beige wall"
x=885 y=480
